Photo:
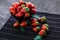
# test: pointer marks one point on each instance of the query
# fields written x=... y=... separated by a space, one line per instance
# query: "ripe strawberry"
x=45 y=27
x=23 y=10
x=22 y=2
x=33 y=20
x=42 y=19
x=33 y=11
x=34 y=24
x=15 y=5
x=30 y=5
x=18 y=9
x=42 y=33
x=23 y=24
x=27 y=15
x=19 y=15
x=36 y=29
x=12 y=11
x=16 y=24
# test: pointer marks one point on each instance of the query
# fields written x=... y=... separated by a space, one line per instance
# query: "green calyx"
x=43 y=19
x=23 y=5
x=38 y=37
x=27 y=9
x=38 y=28
x=47 y=29
x=22 y=29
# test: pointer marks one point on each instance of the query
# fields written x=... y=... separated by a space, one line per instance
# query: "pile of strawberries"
x=23 y=12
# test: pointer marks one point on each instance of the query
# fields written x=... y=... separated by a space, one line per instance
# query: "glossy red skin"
x=34 y=24
x=12 y=11
x=23 y=10
x=22 y=2
x=44 y=27
x=23 y=24
x=33 y=20
x=19 y=14
x=27 y=15
x=16 y=24
x=34 y=29
x=33 y=11
x=42 y=32
x=30 y=6
x=18 y=9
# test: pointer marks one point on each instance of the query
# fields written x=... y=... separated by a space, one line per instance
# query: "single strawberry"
x=23 y=10
x=23 y=24
x=42 y=33
x=16 y=24
x=21 y=2
x=42 y=19
x=45 y=27
x=12 y=11
x=34 y=24
x=18 y=15
x=33 y=11
x=36 y=29
x=18 y=9
x=27 y=15
x=15 y=5
x=33 y=20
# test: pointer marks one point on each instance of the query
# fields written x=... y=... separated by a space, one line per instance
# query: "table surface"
x=8 y=32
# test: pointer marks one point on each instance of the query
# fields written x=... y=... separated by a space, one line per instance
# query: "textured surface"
x=10 y=33
x=49 y=6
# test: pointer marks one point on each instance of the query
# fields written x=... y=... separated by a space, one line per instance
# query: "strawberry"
x=36 y=29
x=45 y=27
x=12 y=11
x=42 y=19
x=18 y=9
x=15 y=5
x=16 y=24
x=33 y=20
x=34 y=24
x=23 y=24
x=30 y=5
x=22 y=2
x=23 y=10
x=19 y=15
x=27 y=15
x=42 y=32
x=33 y=11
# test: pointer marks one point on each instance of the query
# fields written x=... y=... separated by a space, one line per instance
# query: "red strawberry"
x=16 y=24
x=30 y=5
x=42 y=33
x=23 y=10
x=45 y=27
x=27 y=15
x=18 y=9
x=33 y=11
x=36 y=29
x=33 y=20
x=22 y=2
x=23 y=24
x=15 y=5
x=12 y=11
x=19 y=15
x=34 y=24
